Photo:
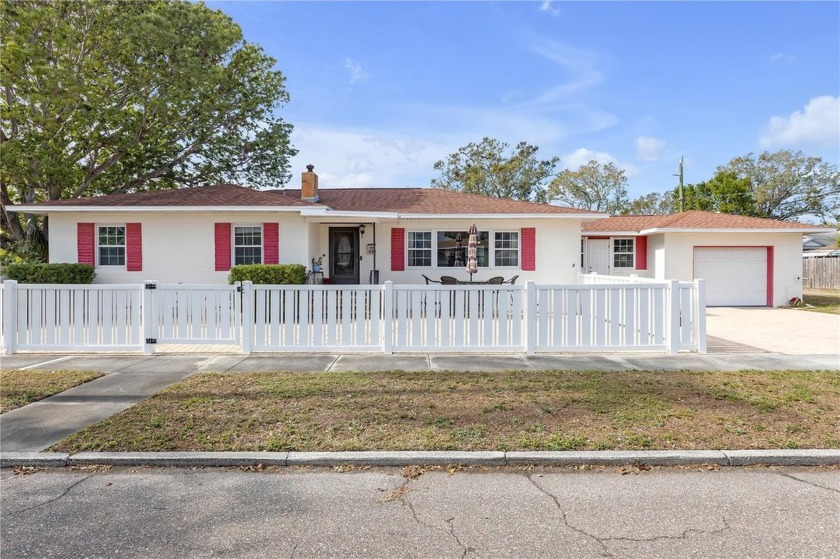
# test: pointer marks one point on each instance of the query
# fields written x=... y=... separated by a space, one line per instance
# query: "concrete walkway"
x=132 y=378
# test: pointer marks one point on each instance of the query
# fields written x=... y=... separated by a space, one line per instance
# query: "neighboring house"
x=821 y=244
x=194 y=235
x=746 y=261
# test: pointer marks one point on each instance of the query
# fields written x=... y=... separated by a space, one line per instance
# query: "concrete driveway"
x=788 y=331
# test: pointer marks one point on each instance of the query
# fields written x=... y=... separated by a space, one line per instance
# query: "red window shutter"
x=223 y=247
x=133 y=247
x=397 y=249
x=529 y=249
x=271 y=243
x=86 y=243
x=641 y=253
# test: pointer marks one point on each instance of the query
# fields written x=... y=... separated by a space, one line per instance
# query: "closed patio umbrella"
x=472 y=252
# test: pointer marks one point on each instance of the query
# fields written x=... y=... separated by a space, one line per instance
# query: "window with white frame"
x=247 y=244
x=623 y=253
x=420 y=248
x=111 y=245
x=506 y=248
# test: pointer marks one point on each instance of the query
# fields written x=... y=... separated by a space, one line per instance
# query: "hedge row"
x=50 y=273
x=288 y=274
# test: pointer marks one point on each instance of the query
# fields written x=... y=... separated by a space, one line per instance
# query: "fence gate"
x=193 y=314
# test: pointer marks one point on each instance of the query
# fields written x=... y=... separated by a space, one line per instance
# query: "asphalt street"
x=608 y=512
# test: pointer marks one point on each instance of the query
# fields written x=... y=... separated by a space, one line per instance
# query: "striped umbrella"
x=459 y=261
x=472 y=252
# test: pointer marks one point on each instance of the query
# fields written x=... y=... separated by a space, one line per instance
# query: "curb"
x=807 y=457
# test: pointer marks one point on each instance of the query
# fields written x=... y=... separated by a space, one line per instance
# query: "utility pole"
x=680 y=174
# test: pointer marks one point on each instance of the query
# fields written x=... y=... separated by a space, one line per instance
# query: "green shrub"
x=289 y=274
x=50 y=273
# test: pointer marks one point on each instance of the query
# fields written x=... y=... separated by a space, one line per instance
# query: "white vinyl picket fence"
x=596 y=316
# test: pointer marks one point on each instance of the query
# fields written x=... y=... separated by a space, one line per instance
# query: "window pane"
x=111 y=245
x=419 y=248
x=452 y=249
x=506 y=244
x=623 y=253
x=247 y=245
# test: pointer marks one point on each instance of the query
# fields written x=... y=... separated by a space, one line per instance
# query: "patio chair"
x=429 y=280
x=512 y=280
x=448 y=280
x=496 y=280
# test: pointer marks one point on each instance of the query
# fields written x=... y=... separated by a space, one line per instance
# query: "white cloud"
x=582 y=156
x=782 y=57
x=549 y=9
x=818 y=123
x=357 y=73
x=354 y=158
x=648 y=148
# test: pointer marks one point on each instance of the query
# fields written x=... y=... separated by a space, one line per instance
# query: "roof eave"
x=609 y=233
x=569 y=216
x=730 y=230
x=144 y=209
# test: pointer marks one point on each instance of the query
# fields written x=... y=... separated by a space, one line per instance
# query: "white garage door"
x=735 y=277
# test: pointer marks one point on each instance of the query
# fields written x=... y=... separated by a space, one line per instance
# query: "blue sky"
x=382 y=90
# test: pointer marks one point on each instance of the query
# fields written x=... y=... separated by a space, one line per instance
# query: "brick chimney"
x=309 y=184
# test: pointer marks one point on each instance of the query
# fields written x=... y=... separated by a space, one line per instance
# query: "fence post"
x=673 y=326
x=388 y=315
x=150 y=315
x=9 y=322
x=530 y=317
x=700 y=322
x=248 y=303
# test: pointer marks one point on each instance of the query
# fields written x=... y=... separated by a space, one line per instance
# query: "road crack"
x=402 y=493
x=570 y=526
x=464 y=548
x=53 y=500
x=684 y=535
x=817 y=485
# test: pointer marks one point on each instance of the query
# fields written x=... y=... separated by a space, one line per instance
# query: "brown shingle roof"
x=216 y=195
x=397 y=200
x=693 y=219
x=426 y=201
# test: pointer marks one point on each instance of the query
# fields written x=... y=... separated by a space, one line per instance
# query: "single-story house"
x=821 y=244
x=745 y=261
x=369 y=235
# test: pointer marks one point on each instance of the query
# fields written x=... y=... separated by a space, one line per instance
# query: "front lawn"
x=524 y=410
x=18 y=388
x=822 y=300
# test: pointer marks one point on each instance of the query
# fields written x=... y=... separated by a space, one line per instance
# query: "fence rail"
x=597 y=315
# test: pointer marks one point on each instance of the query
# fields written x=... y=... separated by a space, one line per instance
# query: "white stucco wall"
x=177 y=247
x=787 y=257
x=180 y=247
x=656 y=257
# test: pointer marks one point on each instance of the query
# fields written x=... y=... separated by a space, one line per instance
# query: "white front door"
x=598 y=256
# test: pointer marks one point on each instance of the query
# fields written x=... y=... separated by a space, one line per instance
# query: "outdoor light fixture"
x=362 y=229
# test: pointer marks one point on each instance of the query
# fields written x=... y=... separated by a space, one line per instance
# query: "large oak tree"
x=489 y=168
x=104 y=97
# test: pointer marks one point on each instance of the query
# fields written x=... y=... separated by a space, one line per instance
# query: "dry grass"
x=557 y=410
x=822 y=300
x=18 y=388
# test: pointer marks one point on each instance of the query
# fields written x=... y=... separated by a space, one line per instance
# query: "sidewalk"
x=39 y=425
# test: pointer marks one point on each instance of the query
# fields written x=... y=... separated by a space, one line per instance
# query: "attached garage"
x=735 y=276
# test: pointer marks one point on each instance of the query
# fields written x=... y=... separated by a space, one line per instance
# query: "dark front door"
x=344 y=255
